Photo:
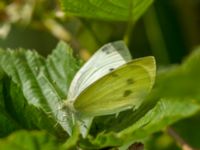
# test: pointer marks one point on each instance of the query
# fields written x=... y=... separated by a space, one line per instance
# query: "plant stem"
x=128 y=32
x=57 y=30
x=180 y=141
x=88 y=26
x=155 y=37
x=130 y=24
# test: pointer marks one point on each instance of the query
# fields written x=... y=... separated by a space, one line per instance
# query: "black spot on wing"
x=111 y=69
x=107 y=50
x=130 y=81
x=127 y=93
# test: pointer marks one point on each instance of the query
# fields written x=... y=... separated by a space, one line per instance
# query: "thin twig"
x=180 y=141
x=57 y=29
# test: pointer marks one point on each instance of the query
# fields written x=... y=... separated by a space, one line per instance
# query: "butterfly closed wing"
x=110 y=82
x=121 y=89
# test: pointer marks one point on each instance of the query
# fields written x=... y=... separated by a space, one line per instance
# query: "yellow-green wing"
x=121 y=89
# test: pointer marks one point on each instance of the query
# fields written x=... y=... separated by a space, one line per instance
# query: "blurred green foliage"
x=169 y=29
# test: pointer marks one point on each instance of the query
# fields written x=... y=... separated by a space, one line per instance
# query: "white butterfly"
x=110 y=82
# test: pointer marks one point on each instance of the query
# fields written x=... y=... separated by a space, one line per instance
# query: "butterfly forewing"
x=119 y=90
x=108 y=58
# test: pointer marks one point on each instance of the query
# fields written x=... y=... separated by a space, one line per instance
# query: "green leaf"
x=40 y=83
x=181 y=81
x=29 y=116
x=107 y=10
x=7 y=124
x=24 y=68
x=165 y=112
x=1 y=73
x=61 y=67
x=34 y=140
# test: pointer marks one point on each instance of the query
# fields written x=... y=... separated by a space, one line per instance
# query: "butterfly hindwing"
x=119 y=90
